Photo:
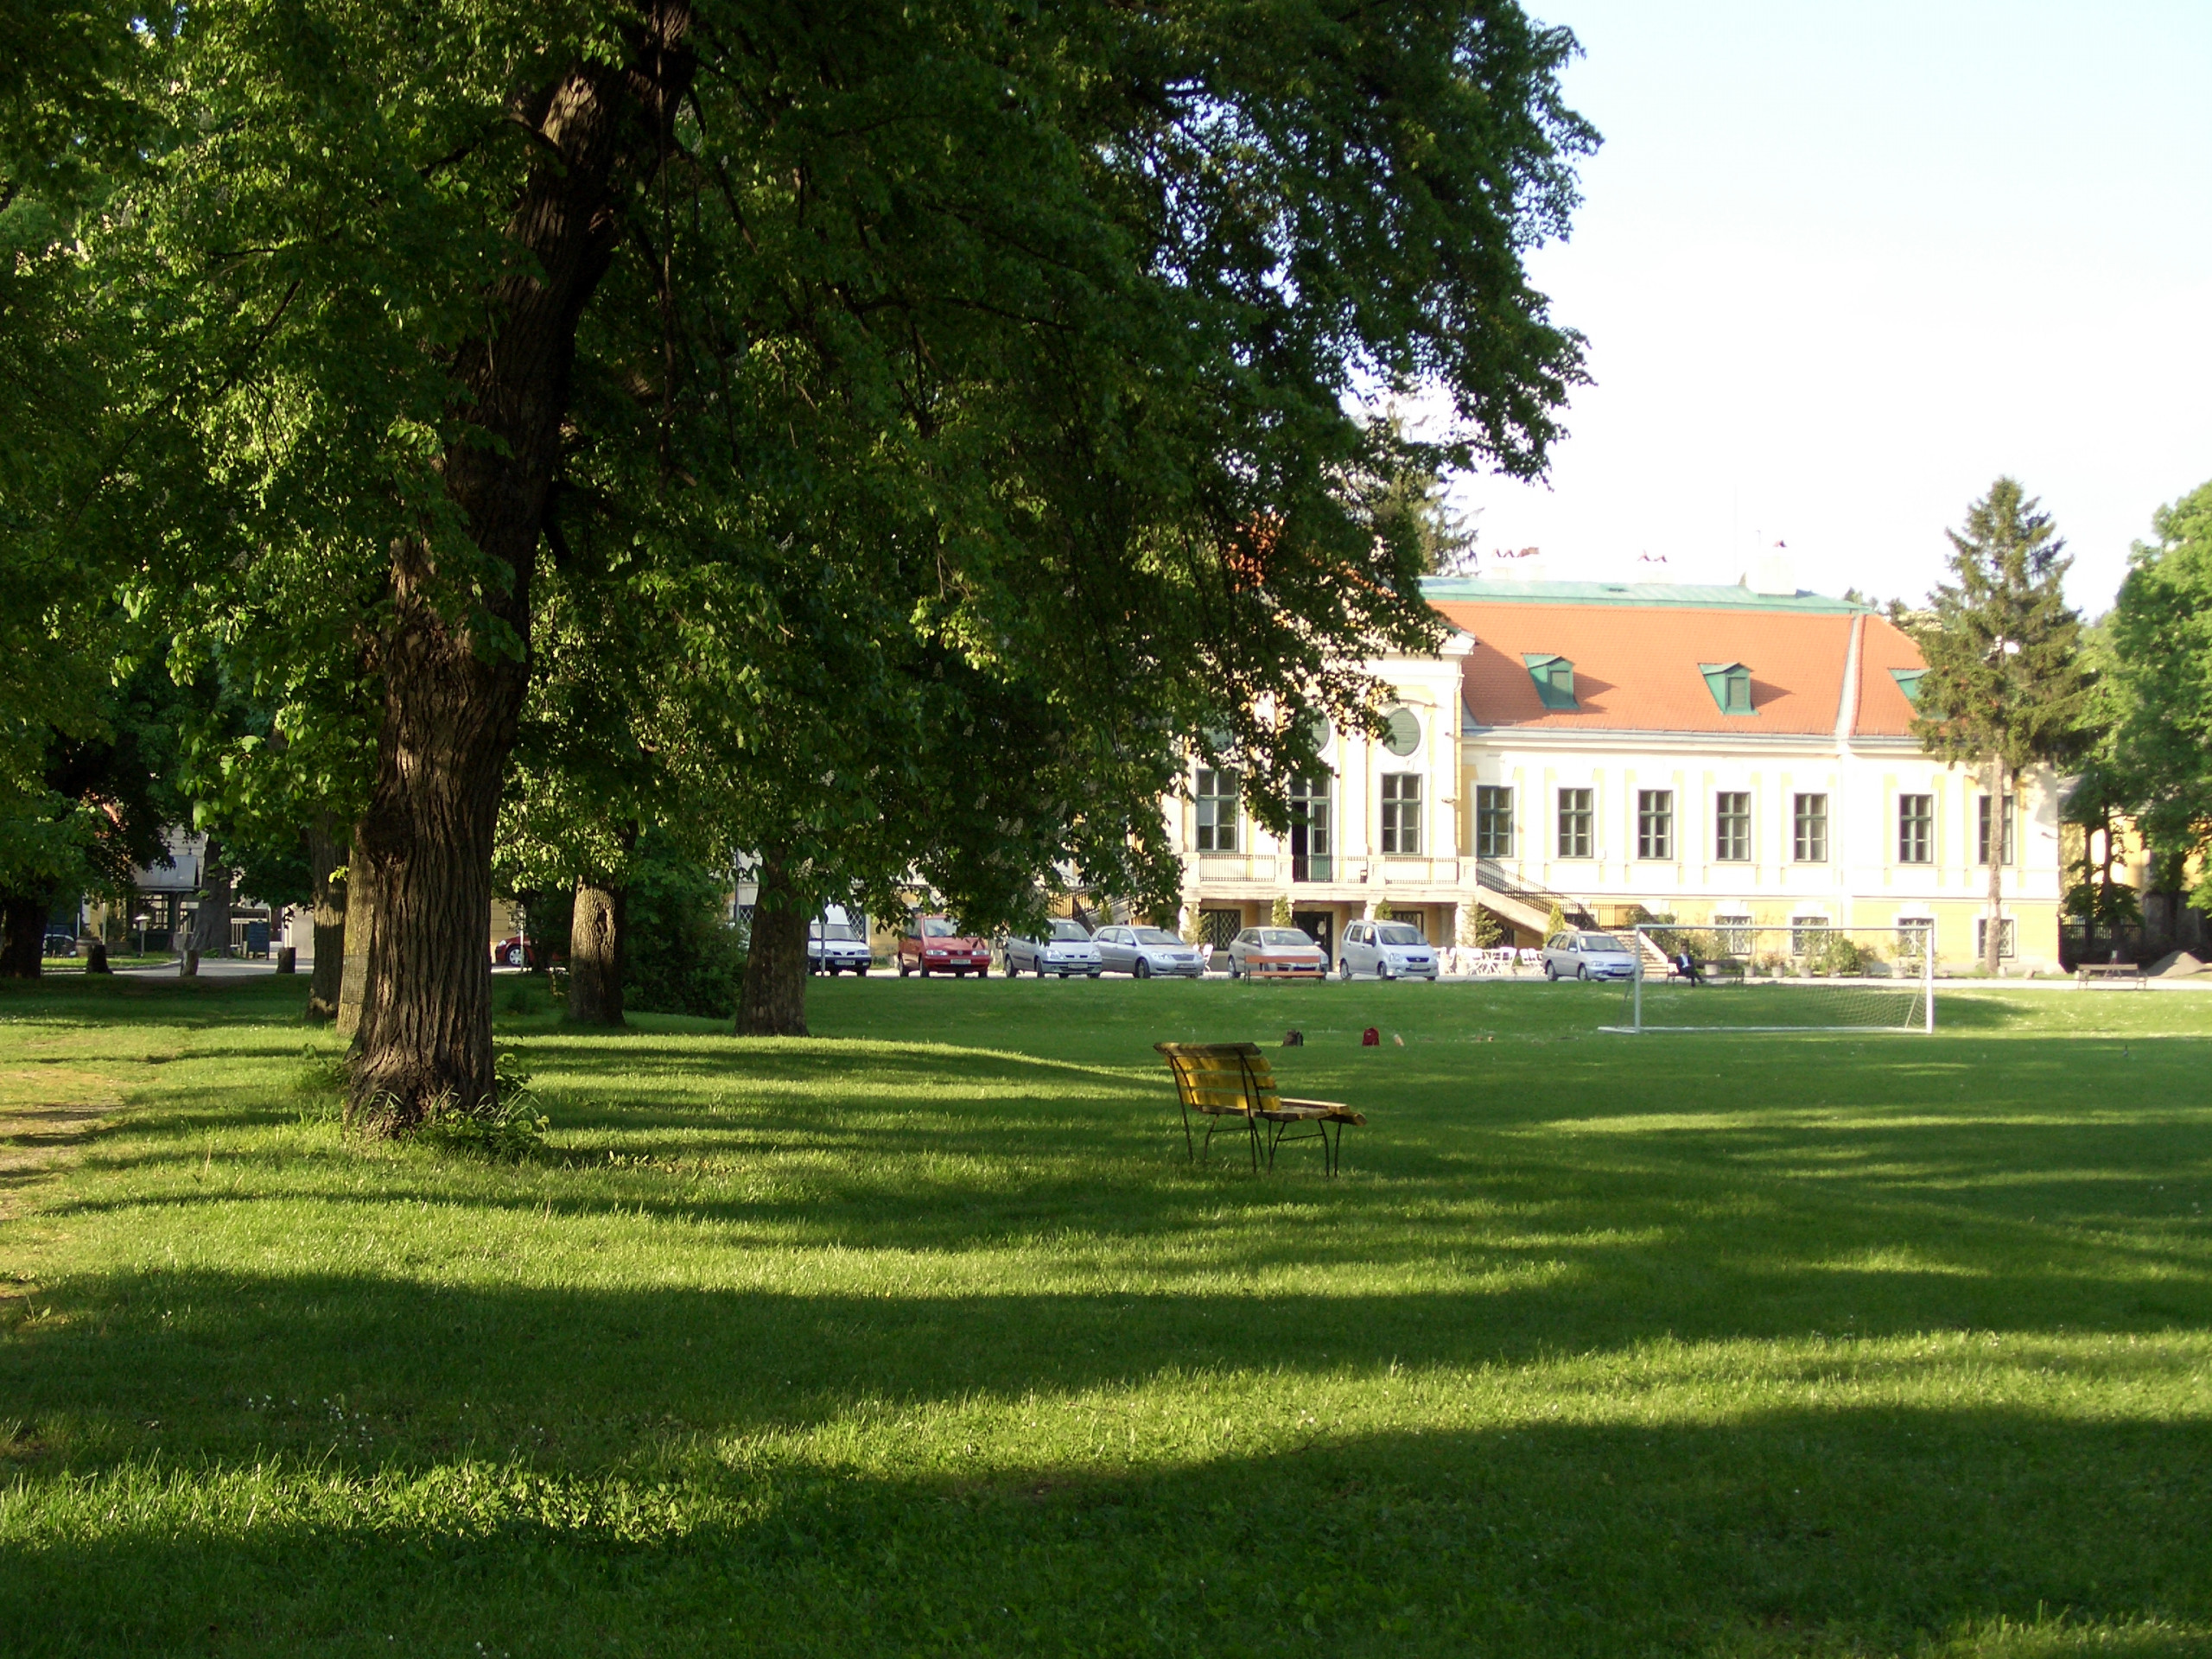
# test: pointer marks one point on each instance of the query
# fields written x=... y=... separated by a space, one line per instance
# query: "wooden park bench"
x=1225 y=1080
x=2115 y=970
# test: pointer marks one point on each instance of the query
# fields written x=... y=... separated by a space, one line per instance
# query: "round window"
x=1402 y=734
x=1320 y=734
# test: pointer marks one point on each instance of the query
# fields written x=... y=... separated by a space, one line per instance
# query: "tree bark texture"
x=211 y=924
x=1994 y=933
x=22 y=921
x=328 y=972
x=360 y=923
x=598 y=942
x=773 y=1003
x=451 y=694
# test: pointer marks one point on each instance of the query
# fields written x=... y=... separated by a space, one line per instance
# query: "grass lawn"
x=922 y=1338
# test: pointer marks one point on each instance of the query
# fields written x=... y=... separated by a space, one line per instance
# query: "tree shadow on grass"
x=1796 y=1532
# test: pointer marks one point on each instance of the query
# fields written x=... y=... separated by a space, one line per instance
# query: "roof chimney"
x=1774 y=573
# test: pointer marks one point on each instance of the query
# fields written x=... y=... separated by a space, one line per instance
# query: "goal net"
x=1804 y=977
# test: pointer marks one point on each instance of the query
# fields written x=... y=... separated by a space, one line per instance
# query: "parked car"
x=835 y=945
x=1577 y=955
x=1276 y=953
x=1067 y=948
x=1387 y=949
x=61 y=944
x=1145 y=951
x=516 y=951
x=937 y=945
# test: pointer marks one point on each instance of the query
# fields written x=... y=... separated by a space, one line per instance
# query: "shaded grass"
x=921 y=1336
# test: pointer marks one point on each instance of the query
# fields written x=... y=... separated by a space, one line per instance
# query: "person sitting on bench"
x=1685 y=965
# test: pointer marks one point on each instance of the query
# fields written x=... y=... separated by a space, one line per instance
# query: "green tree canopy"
x=2161 y=680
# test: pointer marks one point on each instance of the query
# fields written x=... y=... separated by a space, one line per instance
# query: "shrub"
x=682 y=957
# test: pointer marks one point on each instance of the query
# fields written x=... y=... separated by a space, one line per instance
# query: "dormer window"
x=1731 y=685
x=1907 y=681
x=1555 y=680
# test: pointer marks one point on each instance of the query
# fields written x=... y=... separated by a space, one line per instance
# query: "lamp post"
x=141 y=918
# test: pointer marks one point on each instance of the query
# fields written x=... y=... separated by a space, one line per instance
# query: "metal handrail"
x=1489 y=874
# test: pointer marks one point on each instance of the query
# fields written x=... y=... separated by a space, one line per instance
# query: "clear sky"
x=1841 y=265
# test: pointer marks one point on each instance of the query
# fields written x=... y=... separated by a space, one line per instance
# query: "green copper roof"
x=1681 y=595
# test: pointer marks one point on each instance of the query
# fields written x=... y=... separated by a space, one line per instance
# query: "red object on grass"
x=1370 y=1037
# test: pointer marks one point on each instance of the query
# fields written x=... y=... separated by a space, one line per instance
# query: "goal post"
x=1804 y=977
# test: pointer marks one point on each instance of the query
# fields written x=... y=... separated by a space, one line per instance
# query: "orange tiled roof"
x=1638 y=667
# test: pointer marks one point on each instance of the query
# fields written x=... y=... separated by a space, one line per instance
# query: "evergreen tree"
x=2005 y=691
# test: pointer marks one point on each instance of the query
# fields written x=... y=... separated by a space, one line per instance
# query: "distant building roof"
x=1638 y=657
x=1441 y=589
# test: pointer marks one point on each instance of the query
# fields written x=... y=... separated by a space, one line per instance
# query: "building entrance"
x=1319 y=927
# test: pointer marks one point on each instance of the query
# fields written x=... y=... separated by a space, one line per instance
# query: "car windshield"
x=1400 y=935
x=1074 y=930
x=1600 y=942
x=1155 y=936
x=1283 y=935
x=840 y=931
x=940 y=927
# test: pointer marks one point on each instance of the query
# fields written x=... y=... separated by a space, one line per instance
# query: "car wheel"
x=861 y=970
x=1384 y=969
x=903 y=968
x=1143 y=969
x=1343 y=967
x=1551 y=971
x=1582 y=971
x=983 y=972
x=1094 y=973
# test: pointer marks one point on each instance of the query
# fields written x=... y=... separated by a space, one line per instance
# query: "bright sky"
x=1840 y=266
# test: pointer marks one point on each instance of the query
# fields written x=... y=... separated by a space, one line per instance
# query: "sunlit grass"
x=922 y=1336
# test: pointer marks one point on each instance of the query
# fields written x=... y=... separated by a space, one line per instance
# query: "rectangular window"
x=1401 y=812
x=1809 y=838
x=1655 y=824
x=1981 y=938
x=1732 y=826
x=1915 y=829
x=1734 y=933
x=1217 y=795
x=1981 y=832
x=1574 y=822
x=1809 y=935
x=1493 y=820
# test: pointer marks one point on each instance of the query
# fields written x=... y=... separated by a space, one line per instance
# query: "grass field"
x=921 y=1337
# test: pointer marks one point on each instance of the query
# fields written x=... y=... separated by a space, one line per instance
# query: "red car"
x=936 y=945
x=515 y=951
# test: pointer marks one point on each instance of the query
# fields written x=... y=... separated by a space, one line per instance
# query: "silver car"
x=1587 y=956
x=1387 y=949
x=1146 y=952
x=1276 y=953
x=1065 y=949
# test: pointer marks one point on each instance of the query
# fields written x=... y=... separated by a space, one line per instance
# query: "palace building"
x=1713 y=755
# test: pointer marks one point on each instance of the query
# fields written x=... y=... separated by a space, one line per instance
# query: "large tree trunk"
x=1994 y=933
x=453 y=685
x=360 y=925
x=773 y=1000
x=23 y=917
x=211 y=927
x=598 y=940
x=327 y=974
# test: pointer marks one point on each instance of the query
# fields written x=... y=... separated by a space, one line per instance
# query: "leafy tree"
x=2006 y=690
x=1097 y=283
x=2160 y=674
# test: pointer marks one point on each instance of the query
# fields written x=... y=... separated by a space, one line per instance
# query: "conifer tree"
x=2005 y=691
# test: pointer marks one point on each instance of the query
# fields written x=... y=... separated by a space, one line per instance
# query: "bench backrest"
x=1222 y=1077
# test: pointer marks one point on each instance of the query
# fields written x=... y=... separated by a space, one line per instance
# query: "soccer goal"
x=1802 y=976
